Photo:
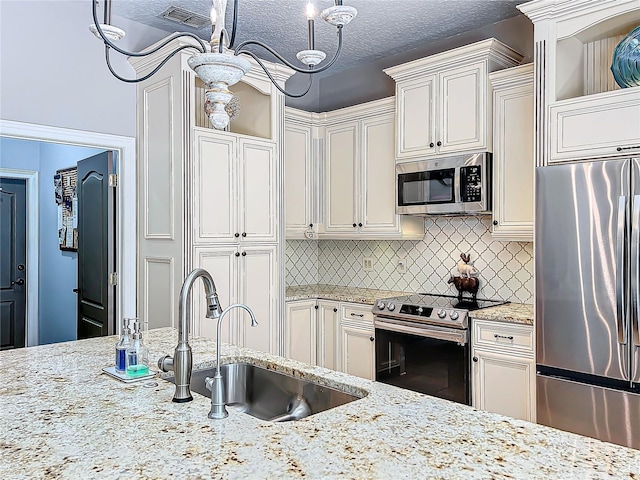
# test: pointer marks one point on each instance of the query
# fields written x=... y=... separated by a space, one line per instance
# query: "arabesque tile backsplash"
x=505 y=268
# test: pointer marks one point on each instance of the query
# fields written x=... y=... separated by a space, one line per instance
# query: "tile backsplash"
x=505 y=268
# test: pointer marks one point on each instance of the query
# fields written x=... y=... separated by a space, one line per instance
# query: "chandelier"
x=219 y=65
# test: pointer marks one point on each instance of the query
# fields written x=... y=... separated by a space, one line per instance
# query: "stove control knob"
x=380 y=305
x=442 y=313
x=391 y=307
x=454 y=315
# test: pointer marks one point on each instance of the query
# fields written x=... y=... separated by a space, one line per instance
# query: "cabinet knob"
x=335 y=309
x=237 y=254
x=19 y=281
x=316 y=307
x=354 y=225
x=439 y=143
x=432 y=144
x=371 y=338
x=236 y=235
x=311 y=225
x=495 y=222
x=244 y=234
x=244 y=254
x=360 y=224
x=475 y=359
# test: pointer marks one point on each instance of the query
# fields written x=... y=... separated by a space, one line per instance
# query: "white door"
x=377 y=176
x=298 y=187
x=341 y=189
x=503 y=384
x=258 y=208
x=328 y=323
x=222 y=264
x=462 y=108
x=214 y=187
x=259 y=291
x=358 y=350
x=416 y=113
x=300 y=331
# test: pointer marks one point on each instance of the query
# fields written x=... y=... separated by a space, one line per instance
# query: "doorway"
x=124 y=148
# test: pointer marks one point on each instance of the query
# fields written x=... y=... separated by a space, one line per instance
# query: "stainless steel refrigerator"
x=587 y=275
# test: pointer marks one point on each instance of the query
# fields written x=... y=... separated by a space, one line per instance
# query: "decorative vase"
x=625 y=64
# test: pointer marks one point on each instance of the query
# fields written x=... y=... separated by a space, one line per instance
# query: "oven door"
x=426 y=359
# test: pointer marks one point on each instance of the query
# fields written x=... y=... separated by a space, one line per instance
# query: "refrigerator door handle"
x=620 y=270
x=635 y=268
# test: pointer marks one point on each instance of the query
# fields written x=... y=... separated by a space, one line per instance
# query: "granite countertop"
x=339 y=293
x=509 y=313
x=62 y=418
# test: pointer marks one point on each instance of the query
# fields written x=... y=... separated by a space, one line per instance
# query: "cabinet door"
x=328 y=323
x=462 y=108
x=358 y=350
x=258 y=207
x=415 y=111
x=341 y=189
x=259 y=291
x=222 y=264
x=377 y=176
x=298 y=185
x=300 y=331
x=513 y=163
x=214 y=188
x=503 y=384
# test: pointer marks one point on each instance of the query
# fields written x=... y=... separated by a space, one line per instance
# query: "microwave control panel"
x=471 y=183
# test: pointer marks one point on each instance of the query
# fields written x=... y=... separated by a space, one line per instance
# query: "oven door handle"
x=458 y=336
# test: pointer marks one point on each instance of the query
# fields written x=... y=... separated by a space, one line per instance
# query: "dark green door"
x=96 y=247
x=13 y=255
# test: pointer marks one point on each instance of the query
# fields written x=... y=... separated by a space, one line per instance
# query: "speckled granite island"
x=62 y=418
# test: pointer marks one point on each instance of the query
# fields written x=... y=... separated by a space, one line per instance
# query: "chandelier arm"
x=235 y=23
x=285 y=61
x=273 y=80
x=109 y=43
x=147 y=76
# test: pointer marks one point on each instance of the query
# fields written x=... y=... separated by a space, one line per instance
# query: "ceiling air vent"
x=185 y=17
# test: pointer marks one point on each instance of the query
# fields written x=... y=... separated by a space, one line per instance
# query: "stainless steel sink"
x=270 y=395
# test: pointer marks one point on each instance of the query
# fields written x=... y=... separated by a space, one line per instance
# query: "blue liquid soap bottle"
x=122 y=345
x=137 y=355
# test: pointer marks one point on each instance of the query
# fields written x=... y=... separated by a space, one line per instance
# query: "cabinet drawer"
x=595 y=126
x=506 y=338
x=357 y=313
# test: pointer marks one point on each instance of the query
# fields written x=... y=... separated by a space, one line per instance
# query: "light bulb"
x=311 y=11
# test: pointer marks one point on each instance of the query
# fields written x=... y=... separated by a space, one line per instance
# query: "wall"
x=58 y=270
x=368 y=82
x=505 y=268
x=53 y=72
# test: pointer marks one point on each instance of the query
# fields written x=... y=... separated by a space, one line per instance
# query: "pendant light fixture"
x=219 y=65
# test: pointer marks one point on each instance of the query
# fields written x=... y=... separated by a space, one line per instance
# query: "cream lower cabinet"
x=243 y=274
x=513 y=157
x=328 y=323
x=300 y=337
x=357 y=341
x=503 y=369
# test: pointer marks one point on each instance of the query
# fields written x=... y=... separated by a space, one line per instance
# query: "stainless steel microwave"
x=459 y=185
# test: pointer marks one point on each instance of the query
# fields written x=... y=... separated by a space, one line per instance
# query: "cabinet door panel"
x=378 y=168
x=258 y=206
x=300 y=331
x=358 y=351
x=416 y=117
x=259 y=291
x=214 y=184
x=222 y=264
x=340 y=181
x=298 y=179
x=462 y=108
x=328 y=323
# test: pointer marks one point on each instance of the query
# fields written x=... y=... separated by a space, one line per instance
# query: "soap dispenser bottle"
x=137 y=355
x=122 y=345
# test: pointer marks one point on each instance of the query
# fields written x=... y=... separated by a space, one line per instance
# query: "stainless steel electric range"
x=422 y=343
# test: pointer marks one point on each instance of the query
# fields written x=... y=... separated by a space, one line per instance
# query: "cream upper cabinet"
x=513 y=156
x=443 y=104
x=503 y=368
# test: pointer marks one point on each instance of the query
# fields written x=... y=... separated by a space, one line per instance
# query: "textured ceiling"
x=382 y=27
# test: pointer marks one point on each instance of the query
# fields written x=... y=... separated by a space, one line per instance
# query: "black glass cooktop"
x=444 y=301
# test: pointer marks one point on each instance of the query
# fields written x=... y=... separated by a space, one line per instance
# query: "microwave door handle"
x=457 y=198
x=621 y=316
x=635 y=266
